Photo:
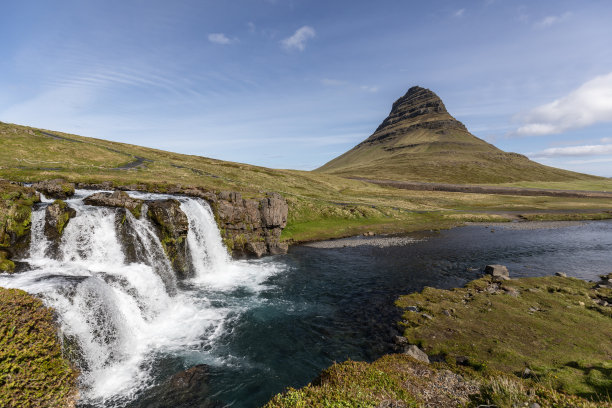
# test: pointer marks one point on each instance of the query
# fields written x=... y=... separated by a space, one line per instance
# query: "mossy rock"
x=6 y=265
x=15 y=217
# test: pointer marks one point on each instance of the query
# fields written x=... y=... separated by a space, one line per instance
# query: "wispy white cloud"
x=589 y=104
x=333 y=82
x=251 y=26
x=368 y=88
x=584 y=150
x=551 y=20
x=459 y=13
x=298 y=40
x=220 y=38
x=591 y=161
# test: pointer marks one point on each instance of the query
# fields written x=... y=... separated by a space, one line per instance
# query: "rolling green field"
x=321 y=205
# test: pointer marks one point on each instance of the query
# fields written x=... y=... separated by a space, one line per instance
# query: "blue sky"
x=294 y=83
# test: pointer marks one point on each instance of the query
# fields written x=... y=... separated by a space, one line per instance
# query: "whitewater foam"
x=117 y=316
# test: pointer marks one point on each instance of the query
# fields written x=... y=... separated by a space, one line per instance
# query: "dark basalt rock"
x=57 y=188
x=252 y=227
x=57 y=216
x=117 y=199
x=173 y=227
x=185 y=389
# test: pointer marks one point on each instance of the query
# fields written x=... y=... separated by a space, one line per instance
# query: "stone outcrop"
x=173 y=226
x=250 y=226
x=57 y=216
x=16 y=204
x=57 y=188
x=119 y=199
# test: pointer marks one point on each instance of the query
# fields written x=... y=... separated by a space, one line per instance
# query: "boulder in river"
x=118 y=199
x=185 y=389
x=57 y=216
x=173 y=227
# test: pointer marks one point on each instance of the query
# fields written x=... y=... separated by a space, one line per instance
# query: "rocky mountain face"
x=420 y=141
x=419 y=108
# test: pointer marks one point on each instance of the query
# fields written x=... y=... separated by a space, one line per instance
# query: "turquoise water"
x=329 y=305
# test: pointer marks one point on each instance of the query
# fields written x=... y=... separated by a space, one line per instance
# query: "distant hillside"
x=421 y=141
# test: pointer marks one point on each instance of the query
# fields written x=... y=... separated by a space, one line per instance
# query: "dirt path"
x=140 y=161
x=476 y=189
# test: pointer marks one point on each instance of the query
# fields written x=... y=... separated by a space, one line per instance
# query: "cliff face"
x=420 y=141
x=248 y=226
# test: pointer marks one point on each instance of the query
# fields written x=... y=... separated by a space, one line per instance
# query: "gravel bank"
x=380 y=242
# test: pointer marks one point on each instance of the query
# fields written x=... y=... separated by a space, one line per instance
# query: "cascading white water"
x=116 y=315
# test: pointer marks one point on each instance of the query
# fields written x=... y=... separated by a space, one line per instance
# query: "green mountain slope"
x=421 y=141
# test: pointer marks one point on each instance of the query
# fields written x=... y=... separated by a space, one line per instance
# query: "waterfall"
x=118 y=312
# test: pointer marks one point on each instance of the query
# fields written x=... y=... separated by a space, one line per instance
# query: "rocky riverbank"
x=532 y=342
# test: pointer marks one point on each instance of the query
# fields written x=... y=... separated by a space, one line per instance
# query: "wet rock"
x=497 y=271
x=256 y=248
x=185 y=389
x=57 y=188
x=119 y=199
x=605 y=282
x=172 y=225
x=416 y=353
x=6 y=265
x=57 y=216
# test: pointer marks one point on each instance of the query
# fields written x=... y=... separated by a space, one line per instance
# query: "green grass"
x=33 y=371
x=550 y=325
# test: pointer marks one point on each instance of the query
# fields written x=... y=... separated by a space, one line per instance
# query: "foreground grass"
x=33 y=372
x=552 y=326
x=485 y=335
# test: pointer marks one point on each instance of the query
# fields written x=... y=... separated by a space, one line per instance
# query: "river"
x=260 y=325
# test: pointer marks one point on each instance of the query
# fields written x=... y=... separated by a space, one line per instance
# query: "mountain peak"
x=421 y=141
x=417 y=105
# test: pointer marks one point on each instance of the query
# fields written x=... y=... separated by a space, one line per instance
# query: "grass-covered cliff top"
x=514 y=343
x=321 y=205
x=33 y=372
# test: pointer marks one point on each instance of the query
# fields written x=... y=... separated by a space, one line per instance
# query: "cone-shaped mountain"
x=421 y=141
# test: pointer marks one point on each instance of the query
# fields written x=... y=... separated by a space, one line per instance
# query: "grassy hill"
x=321 y=205
x=421 y=141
